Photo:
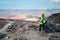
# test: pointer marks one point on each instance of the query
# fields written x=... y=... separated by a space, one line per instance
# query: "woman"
x=42 y=22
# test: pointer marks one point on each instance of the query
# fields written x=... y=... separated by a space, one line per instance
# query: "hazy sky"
x=29 y=4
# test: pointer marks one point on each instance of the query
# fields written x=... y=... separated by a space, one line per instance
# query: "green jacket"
x=41 y=22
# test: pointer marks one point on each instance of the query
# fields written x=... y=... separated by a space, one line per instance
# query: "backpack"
x=45 y=20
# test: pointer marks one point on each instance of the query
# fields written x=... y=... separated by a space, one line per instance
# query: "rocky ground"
x=19 y=30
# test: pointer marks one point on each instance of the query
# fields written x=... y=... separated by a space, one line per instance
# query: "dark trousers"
x=41 y=27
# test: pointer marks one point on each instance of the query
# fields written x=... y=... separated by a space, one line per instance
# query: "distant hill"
x=55 y=17
x=7 y=13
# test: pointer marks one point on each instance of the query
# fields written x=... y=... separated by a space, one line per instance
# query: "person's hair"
x=43 y=15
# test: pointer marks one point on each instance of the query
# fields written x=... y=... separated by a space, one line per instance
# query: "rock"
x=31 y=26
x=12 y=28
x=54 y=37
x=22 y=38
x=52 y=27
x=57 y=27
x=2 y=35
x=2 y=23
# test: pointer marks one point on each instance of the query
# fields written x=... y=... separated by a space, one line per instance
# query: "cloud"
x=56 y=1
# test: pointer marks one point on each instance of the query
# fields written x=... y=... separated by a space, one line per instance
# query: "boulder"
x=2 y=35
x=54 y=37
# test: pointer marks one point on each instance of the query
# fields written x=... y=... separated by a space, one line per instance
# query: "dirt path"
x=33 y=35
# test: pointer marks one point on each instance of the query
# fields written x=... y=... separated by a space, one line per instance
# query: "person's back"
x=41 y=21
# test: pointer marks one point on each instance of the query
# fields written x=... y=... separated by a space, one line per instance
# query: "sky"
x=29 y=4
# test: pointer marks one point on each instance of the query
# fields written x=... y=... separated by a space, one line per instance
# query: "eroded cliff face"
x=55 y=17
